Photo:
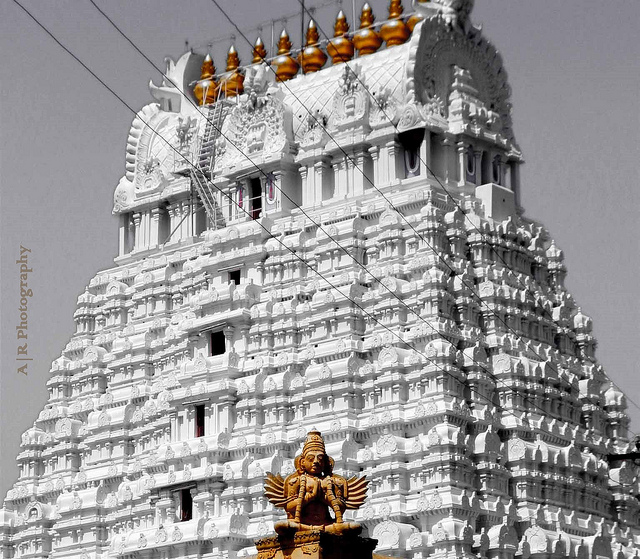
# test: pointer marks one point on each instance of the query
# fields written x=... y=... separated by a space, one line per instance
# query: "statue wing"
x=356 y=492
x=274 y=490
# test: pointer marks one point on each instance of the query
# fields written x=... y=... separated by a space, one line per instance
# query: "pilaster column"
x=358 y=172
x=154 y=226
x=325 y=180
x=395 y=165
x=137 y=220
x=461 y=153
x=449 y=160
x=374 y=152
x=341 y=187
x=307 y=186
x=477 y=155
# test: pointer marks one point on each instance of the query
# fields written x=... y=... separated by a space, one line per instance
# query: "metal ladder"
x=201 y=174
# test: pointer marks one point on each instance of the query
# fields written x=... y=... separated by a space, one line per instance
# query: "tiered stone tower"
x=343 y=249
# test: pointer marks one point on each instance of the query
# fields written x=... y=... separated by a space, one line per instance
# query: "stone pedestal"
x=315 y=545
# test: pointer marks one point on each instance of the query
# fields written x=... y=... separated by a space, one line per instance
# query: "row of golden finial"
x=341 y=48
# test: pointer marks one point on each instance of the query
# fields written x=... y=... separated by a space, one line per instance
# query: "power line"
x=245 y=211
x=355 y=165
x=516 y=274
x=378 y=280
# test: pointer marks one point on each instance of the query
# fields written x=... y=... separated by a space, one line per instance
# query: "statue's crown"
x=314 y=441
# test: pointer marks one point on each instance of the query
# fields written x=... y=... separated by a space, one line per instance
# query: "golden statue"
x=313 y=490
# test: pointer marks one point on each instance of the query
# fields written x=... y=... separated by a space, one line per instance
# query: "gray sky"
x=574 y=68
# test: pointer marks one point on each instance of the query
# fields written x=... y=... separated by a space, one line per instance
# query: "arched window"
x=470 y=165
x=270 y=184
x=411 y=140
x=496 y=170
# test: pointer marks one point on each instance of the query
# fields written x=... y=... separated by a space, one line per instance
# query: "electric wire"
x=247 y=212
x=515 y=274
x=355 y=165
x=310 y=267
x=378 y=280
x=484 y=238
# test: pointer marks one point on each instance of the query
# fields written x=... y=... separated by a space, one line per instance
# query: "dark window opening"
x=256 y=198
x=217 y=346
x=485 y=168
x=234 y=277
x=411 y=140
x=200 y=421
x=164 y=225
x=186 y=505
x=471 y=165
x=201 y=218
x=270 y=187
x=497 y=175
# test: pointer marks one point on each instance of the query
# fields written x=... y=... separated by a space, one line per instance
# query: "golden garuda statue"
x=313 y=492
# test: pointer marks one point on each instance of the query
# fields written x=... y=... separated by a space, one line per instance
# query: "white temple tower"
x=340 y=248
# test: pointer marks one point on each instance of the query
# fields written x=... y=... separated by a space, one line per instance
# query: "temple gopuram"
x=329 y=238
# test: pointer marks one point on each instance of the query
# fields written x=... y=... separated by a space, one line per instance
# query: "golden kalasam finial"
x=206 y=87
x=312 y=58
x=367 y=40
x=340 y=48
x=395 y=31
x=259 y=52
x=414 y=18
x=286 y=65
x=233 y=81
x=313 y=492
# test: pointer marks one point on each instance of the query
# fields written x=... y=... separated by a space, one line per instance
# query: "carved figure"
x=185 y=130
x=313 y=490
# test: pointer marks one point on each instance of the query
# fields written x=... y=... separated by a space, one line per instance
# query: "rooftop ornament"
x=312 y=58
x=395 y=31
x=367 y=40
x=206 y=88
x=259 y=52
x=286 y=65
x=233 y=82
x=313 y=492
x=340 y=48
